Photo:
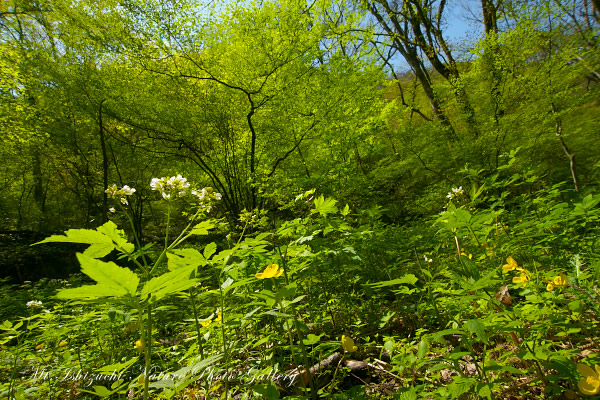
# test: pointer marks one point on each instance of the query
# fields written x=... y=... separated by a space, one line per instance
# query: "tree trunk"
x=38 y=180
x=490 y=22
x=490 y=16
x=410 y=53
x=104 y=165
x=431 y=41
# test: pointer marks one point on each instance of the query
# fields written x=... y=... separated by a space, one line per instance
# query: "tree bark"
x=410 y=52
x=430 y=41
x=490 y=16
x=490 y=22
x=38 y=180
x=104 y=164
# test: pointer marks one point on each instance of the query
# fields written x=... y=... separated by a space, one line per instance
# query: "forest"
x=300 y=199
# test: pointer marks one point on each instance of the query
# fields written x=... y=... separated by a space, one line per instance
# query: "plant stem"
x=225 y=351
x=313 y=392
x=143 y=267
x=193 y=299
x=147 y=343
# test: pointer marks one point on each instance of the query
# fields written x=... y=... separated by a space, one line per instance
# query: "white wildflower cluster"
x=207 y=193
x=207 y=196
x=170 y=187
x=34 y=304
x=114 y=193
x=427 y=259
x=455 y=193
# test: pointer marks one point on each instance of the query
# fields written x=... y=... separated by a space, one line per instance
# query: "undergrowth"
x=495 y=297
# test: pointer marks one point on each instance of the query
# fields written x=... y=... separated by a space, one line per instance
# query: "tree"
x=415 y=28
x=260 y=90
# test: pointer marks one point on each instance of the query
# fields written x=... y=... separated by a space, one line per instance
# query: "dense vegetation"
x=297 y=199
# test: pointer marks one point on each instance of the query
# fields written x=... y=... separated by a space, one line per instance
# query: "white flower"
x=34 y=304
x=178 y=184
x=168 y=186
x=218 y=196
x=200 y=194
x=155 y=184
x=112 y=210
x=127 y=191
x=455 y=192
x=114 y=193
x=429 y=260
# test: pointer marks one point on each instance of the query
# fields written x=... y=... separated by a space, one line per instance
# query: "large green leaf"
x=86 y=292
x=112 y=280
x=181 y=258
x=117 y=236
x=202 y=228
x=102 y=241
x=175 y=281
x=324 y=206
x=100 y=244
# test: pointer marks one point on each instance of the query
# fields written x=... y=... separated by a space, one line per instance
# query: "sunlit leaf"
x=324 y=206
x=112 y=280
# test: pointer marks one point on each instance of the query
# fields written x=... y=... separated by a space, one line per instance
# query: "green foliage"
x=102 y=241
x=434 y=258
x=112 y=280
x=452 y=313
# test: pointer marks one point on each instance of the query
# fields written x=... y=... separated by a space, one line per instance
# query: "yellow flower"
x=139 y=345
x=465 y=255
x=271 y=271
x=522 y=278
x=590 y=384
x=220 y=314
x=62 y=343
x=348 y=344
x=39 y=346
x=560 y=281
x=511 y=264
x=205 y=323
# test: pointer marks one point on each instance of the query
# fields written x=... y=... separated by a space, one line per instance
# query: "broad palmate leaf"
x=112 y=280
x=102 y=241
x=170 y=282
